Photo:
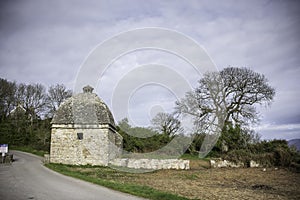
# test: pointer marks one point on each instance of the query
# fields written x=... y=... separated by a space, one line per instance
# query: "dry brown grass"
x=243 y=183
x=202 y=182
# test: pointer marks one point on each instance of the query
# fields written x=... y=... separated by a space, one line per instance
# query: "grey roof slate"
x=83 y=108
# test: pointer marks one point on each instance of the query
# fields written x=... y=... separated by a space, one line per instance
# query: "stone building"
x=83 y=132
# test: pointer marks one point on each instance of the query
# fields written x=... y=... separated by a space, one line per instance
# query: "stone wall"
x=152 y=163
x=96 y=147
x=218 y=163
x=99 y=145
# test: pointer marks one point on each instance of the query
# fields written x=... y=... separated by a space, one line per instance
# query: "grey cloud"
x=47 y=41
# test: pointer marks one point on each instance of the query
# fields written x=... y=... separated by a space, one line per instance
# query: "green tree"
x=195 y=146
x=140 y=139
x=236 y=137
x=24 y=109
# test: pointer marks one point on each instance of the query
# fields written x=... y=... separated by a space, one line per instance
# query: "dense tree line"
x=141 y=139
x=230 y=96
x=26 y=111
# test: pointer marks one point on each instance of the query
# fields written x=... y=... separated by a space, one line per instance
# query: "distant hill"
x=295 y=142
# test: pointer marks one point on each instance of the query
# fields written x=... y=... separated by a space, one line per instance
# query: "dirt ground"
x=211 y=183
x=243 y=183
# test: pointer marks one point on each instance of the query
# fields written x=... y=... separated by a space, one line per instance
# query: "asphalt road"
x=27 y=178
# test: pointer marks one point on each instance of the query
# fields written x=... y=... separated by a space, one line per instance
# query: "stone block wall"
x=96 y=147
x=152 y=163
x=115 y=144
x=218 y=163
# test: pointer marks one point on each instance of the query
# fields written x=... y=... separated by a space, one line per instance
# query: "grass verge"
x=137 y=190
x=29 y=149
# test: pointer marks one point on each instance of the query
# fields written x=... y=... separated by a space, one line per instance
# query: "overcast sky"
x=47 y=42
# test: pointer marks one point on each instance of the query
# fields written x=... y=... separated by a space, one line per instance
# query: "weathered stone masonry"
x=83 y=132
x=151 y=163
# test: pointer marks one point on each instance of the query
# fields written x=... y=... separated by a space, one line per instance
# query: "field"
x=200 y=183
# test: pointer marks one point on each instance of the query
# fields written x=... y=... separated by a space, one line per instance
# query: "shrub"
x=264 y=159
x=282 y=157
x=238 y=155
x=267 y=153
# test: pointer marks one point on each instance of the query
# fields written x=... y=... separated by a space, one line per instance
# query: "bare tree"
x=20 y=94
x=56 y=95
x=34 y=99
x=166 y=123
x=205 y=105
x=7 y=91
x=244 y=89
x=229 y=95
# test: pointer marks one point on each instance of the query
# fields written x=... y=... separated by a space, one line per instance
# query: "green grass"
x=192 y=157
x=106 y=178
x=162 y=156
x=29 y=150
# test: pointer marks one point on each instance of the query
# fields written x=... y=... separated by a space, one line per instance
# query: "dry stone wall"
x=219 y=163
x=151 y=163
x=95 y=147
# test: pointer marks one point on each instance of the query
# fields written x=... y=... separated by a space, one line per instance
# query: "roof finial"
x=88 y=89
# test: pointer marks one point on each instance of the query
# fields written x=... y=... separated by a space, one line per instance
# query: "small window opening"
x=79 y=136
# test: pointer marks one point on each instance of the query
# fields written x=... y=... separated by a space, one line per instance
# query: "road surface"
x=27 y=178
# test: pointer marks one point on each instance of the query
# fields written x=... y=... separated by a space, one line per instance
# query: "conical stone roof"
x=83 y=108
